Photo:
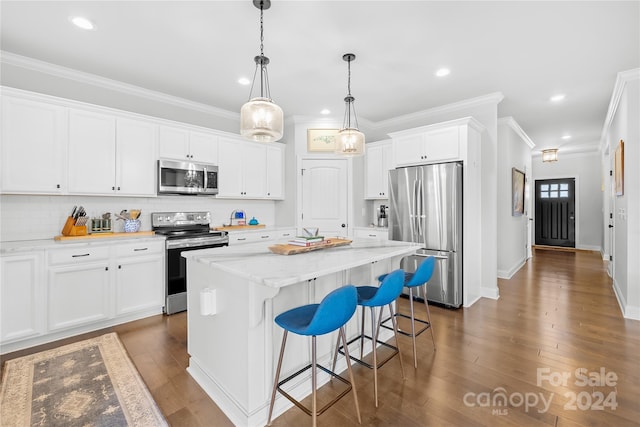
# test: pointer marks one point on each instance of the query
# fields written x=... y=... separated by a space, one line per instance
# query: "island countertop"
x=256 y=263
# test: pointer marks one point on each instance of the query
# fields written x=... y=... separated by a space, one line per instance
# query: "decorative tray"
x=286 y=249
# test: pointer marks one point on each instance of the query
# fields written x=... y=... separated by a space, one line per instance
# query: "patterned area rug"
x=90 y=383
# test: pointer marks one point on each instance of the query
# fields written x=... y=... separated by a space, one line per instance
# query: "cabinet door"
x=78 y=294
x=33 y=147
x=21 y=297
x=230 y=168
x=136 y=158
x=254 y=166
x=139 y=284
x=173 y=143
x=275 y=172
x=373 y=173
x=409 y=150
x=92 y=154
x=442 y=144
x=203 y=147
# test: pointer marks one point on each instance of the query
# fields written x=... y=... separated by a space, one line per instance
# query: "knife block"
x=70 y=229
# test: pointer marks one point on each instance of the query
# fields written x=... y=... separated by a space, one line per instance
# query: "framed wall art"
x=321 y=139
x=517 y=192
x=618 y=167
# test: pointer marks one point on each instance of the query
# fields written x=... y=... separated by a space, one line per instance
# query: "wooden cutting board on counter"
x=238 y=227
x=286 y=249
x=103 y=235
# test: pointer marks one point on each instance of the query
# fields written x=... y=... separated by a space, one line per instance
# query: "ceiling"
x=528 y=51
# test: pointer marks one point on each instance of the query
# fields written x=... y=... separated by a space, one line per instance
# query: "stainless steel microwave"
x=176 y=177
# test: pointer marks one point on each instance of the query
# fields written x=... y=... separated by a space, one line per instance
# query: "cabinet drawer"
x=139 y=248
x=77 y=255
x=371 y=234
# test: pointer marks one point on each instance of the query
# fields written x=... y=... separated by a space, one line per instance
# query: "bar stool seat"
x=372 y=297
x=333 y=312
x=418 y=279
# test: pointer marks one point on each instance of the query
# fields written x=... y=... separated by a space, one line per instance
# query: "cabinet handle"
x=118 y=188
x=242 y=238
x=113 y=188
x=264 y=237
x=140 y=249
x=78 y=256
x=286 y=234
x=106 y=269
x=119 y=267
x=57 y=185
x=372 y=235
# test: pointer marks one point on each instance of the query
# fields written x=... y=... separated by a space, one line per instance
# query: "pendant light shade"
x=260 y=118
x=349 y=141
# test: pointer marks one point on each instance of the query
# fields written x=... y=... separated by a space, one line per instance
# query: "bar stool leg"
x=362 y=333
x=413 y=330
x=395 y=334
x=275 y=381
x=314 y=410
x=429 y=316
x=351 y=378
x=374 y=335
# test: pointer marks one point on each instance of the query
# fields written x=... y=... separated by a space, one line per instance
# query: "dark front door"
x=555 y=212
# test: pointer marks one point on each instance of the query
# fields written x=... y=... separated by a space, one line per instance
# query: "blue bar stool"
x=372 y=297
x=333 y=312
x=414 y=280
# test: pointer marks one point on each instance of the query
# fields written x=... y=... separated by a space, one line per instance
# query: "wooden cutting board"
x=238 y=227
x=286 y=249
x=103 y=235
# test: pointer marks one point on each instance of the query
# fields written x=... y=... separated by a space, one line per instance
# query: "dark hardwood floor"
x=556 y=315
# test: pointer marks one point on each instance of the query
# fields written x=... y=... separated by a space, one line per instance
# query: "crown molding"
x=511 y=122
x=492 y=98
x=110 y=84
x=622 y=79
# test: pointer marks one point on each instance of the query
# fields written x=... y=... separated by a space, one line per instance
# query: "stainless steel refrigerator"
x=426 y=208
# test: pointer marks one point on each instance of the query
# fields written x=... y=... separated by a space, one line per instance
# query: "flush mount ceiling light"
x=550 y=155
x=82 y=22
x=260 y=118
x=349 y=140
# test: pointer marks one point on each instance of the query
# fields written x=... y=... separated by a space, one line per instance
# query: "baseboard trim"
x=628 y=311
x=564 y=249
x=508 y=274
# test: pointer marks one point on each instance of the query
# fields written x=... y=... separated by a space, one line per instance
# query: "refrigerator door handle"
x=421 y=210
x=435 y=256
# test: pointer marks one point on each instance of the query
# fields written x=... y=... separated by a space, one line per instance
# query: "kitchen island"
x=234 y=293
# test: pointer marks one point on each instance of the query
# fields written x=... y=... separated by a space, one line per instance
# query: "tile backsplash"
x=26 y=217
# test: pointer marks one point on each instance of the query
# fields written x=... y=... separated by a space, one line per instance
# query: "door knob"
x=343 y=225
x=610 y=226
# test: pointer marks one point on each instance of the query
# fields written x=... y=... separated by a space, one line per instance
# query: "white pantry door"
x=324 y=196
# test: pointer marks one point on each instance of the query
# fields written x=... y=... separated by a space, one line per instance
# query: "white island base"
x=234 y=293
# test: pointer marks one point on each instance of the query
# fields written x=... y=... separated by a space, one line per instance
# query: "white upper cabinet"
x=33 y=147
x=426 y=145
x=184 y=144
x=111 y=156
x=250 y=170
x=378 y=162
x=275 y=172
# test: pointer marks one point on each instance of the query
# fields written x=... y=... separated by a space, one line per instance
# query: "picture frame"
x=517 y=192
x=321 y=139
x=618 y=168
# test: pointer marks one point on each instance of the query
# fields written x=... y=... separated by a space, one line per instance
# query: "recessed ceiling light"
x=325 y=111
x=557 y=98
x=244 y=81
x=443 y=72
x=566 y=136
x=82 y=22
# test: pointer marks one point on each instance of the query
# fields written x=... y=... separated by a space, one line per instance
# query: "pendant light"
x=349 y=140
x=260 y=118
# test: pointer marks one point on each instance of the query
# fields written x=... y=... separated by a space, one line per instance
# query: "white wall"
x=623 y=123
x=515 y=152
x=26 y=217
x=585 y=168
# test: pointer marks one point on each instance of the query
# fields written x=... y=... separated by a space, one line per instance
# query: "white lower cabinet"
x=371 y=233
x=78 y=294
x=78 y=285
x=139 y=275
x=22 y=296
x=53 y=293
x=253 y=236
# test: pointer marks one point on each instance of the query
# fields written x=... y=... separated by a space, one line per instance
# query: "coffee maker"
x=383 y=221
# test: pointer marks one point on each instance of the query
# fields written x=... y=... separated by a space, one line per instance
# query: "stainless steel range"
x=185 y=231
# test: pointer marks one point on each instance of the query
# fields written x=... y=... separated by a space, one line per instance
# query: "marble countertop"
x=256 y=263
x=18 y=246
